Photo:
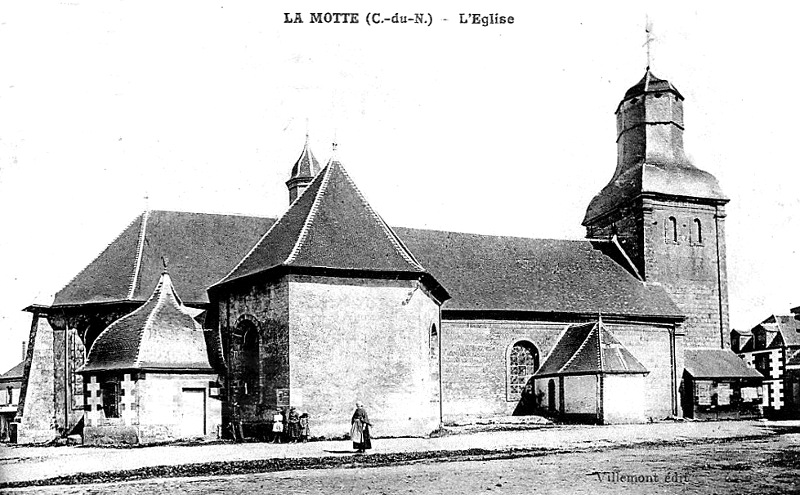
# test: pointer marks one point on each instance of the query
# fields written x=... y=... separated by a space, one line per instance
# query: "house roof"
x=483 y=272
x=716 y=363
x=14 y=373
x=160 y=334
x=793 y=359
x=201 y=248
x=785 y=327
x=589 y=348
x=330 y=225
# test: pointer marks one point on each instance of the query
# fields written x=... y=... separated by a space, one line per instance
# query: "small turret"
x=303 y=172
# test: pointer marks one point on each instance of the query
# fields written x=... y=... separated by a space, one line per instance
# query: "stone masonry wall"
x=361 y=339
x=266 y=306
x=36 y=411
x=475 y=363
x=688 y=268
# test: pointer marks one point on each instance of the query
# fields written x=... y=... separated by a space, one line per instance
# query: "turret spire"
x=303 y=172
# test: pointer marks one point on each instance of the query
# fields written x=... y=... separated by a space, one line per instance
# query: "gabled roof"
x=14 y=373
x=589 y=348
x=201 y=247
x=786 y=329
x=716 y=363
x=330 y=225
x=484 y=272
x=161 y=334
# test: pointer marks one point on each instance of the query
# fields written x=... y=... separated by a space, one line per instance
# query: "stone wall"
x=152 y=409
x=367 y=340
x=265 y=306
x=475 y=363
x=36 y=411
x=693 y=271
x=624 y=399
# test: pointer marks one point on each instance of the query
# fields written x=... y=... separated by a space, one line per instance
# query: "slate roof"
x=306 y=166
x=330 y=225
x=794 y=359
x=589 y=348
x=787 y=327
x=201 y=248
x=716 y=363
x=482 y=272
x=14 y=374
x=161 y=334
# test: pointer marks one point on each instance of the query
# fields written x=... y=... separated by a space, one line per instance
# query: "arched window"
x=245 y=361
x=671 y=230
x=523 y=360
x=697 y=232
x=433 y=343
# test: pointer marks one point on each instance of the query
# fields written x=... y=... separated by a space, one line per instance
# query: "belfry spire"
x=303 y=172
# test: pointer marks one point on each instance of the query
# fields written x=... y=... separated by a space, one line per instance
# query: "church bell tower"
x=668 y=215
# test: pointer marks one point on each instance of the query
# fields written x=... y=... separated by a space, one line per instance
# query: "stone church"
x=328 y=304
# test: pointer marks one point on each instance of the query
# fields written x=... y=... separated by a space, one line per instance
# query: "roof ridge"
x=312 y=213
x=266 y=234
x=401 y=249
x=578 y=350
x=162 y=296
x=135 y=219
x=139 y=252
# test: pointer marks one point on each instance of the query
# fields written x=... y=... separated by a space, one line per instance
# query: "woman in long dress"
x=359 y=429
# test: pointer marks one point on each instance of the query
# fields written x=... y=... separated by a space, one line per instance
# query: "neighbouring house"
x=327 y=304
x=589 y=376
x=148 y=376
x=10 y=385
x=719 y=385
x=773 y=348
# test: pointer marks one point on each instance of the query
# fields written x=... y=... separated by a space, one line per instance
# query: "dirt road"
x=767 y=465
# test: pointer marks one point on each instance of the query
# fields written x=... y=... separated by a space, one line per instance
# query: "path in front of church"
x=661 y=458
x=769 y=465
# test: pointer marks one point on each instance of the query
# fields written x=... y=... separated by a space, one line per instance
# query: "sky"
x=110 y=108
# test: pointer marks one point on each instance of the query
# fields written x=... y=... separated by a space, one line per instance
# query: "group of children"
x=289 y=426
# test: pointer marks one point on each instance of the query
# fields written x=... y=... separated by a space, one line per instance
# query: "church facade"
x=328 y=304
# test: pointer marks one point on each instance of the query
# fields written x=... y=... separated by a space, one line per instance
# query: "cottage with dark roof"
x=148 y=377
x=717 y=385
x=328 y=304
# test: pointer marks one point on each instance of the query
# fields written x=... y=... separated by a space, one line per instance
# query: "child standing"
x=277 y=426
x=304 y=429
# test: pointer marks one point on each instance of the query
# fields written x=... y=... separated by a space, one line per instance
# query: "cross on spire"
x=649 y=38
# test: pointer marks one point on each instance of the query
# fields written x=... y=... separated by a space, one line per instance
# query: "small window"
x=110 y=391
x=523 y=360
x=697 y=232
x=433 y=343
x=10 y=391
x=671 y=230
